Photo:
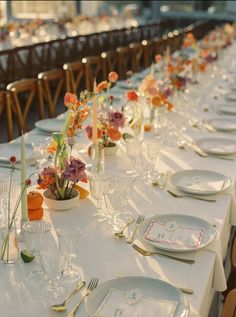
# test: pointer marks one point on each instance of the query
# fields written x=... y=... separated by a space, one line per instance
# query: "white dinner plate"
x=176 y=232
x=230 y=96
x=200 y=182
x=223 y=124
x=228 y=109
x=14 y=149
x=218 y=146
x=149 y=287
x=50 y=125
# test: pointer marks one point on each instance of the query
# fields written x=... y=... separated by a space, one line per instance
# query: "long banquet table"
x=104 y=256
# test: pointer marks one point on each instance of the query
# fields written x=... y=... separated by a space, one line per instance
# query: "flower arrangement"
x=61 y=178
x=6 y=252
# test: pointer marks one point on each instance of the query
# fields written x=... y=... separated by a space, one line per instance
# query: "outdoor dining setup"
x=117 y=175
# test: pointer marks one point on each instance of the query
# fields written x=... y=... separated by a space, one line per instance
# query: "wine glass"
x=99 y=185
x=134 y=149
x=52 y=263
x=68 y=243
x=36 y=233
x=153 y=149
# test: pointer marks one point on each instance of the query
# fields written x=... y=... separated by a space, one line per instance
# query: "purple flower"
x=89 y=131
x=74 y=171
x=116 y=119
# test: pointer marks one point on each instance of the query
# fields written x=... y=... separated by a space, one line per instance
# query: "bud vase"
x=9 y=253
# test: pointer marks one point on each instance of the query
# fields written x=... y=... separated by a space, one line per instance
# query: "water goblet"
x=36 y=233
x=153 y=149
x=52 y=263
x=99 y=185
x=134 y=149
x=68 y=244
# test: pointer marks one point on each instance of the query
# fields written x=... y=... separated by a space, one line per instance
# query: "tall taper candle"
x=24 y=205
x=167 y=57
x=95 y=119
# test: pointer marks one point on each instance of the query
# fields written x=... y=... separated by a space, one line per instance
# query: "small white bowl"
x=60 y=205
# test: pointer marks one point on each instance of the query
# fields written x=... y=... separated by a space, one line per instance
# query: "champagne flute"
x=134 y=149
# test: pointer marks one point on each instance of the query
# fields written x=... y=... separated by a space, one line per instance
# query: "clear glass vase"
x=9 y=253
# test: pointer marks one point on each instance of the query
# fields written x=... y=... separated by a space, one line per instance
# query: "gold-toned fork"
x=148 y=253
x=91 y=286
x=191 y=196
x=131 y=237
x=62 y=307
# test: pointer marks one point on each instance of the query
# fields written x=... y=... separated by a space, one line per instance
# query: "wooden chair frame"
x=5 y=104
x=95 y=67
x=75 y=74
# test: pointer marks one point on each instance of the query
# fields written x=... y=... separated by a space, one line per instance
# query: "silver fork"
x=131 y=237
x=91 y=286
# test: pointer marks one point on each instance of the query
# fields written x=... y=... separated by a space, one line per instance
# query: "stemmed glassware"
x=53 y=264
x=153 y=149
x=68 y=243
x=99 y=185
x=134 y=149
x=37 y=234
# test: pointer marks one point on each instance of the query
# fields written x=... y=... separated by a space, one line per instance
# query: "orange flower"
x=156 y=101
x=102 y=85
x=70 y=99
x=169 y=105
x=114 y=134
x=202 y=67
x=52 y=148
x=132 y=95
x=158 y=58
x=147 y=127
x=152 y=91
x=113 y=77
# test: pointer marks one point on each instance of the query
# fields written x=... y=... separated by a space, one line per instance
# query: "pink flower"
x=113 y=77
x=89 y=131
x=70 y=99
x=74 y=171
x=116 y=119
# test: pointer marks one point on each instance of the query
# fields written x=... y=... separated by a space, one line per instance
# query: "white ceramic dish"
x=228 y=109
x=177 y=232
x=200 y=182
x=223 y=124
x=149 y=287
x=14 y=149
x=230 y=96
x=218 y=146
x=50 y=125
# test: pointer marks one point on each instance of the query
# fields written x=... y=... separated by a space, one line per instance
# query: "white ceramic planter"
x=110 y=150
x=60 y=205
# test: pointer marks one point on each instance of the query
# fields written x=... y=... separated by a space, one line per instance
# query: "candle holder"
x=98 y=161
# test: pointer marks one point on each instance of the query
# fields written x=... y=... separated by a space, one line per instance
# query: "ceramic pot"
x=110 y=150
x=60 y=205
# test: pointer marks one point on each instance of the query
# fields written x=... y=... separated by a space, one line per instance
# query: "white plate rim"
x=13 y=144
x=199 y=192
x=227 y=109
x=146 y=222
x=217 y=127
x=198 y=143
x=39 y=126
x=183 y=312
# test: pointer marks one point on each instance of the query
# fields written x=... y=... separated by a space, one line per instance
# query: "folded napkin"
x=132 y=303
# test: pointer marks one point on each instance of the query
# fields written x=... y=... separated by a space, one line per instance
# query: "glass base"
x=53 y=291
x=71 y=275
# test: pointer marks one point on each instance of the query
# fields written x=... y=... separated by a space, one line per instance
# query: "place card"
x=132 y=303
x=199 y=184
x=174 y=234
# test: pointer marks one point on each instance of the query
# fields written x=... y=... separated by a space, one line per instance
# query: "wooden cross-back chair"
x=137 y=55
x=95 y=67
x=229 y=308
x=75 y=76
x=24 y=93
x=6 y=114
x=53 y=87
x=148 y=52
x=124 y=61
x=111 y=58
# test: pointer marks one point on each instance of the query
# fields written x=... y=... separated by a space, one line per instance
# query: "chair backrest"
x=124 y=61
x=229 y=308
x=111 y=61
x=53 y=87
x=6 y=115
x=75 y=76
x=137 y=54
x=95 y=67
x=148 y=52
x=24 y=92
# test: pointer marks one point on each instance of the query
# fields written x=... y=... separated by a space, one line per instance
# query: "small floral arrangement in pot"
x=60 y=178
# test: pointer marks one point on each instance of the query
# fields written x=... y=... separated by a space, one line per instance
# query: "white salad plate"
x=176 y=232
x=50 y=125
x=14 y=149
x=228 y=109
x=223 y=124
x=149 y=288
x=230 y=96
x=200 y=182
x=216 y=146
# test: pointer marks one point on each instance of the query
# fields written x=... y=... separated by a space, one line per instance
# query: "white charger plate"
x=223 y=124
x=228 y=109
x=14 y=149
x=174 y=221
x=150 y=287
x=230 y=96
x=50 y=125
x=200 y=182
x=218 y=146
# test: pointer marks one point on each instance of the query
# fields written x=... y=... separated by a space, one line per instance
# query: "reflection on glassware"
x=4 y=202
x=153 y=149
x=134 y=149
x=37 y=235
x=68 y=243
x=124 y=186
x=41 y=154
x=98 y=159
x=52 y=263
x=99 y=185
